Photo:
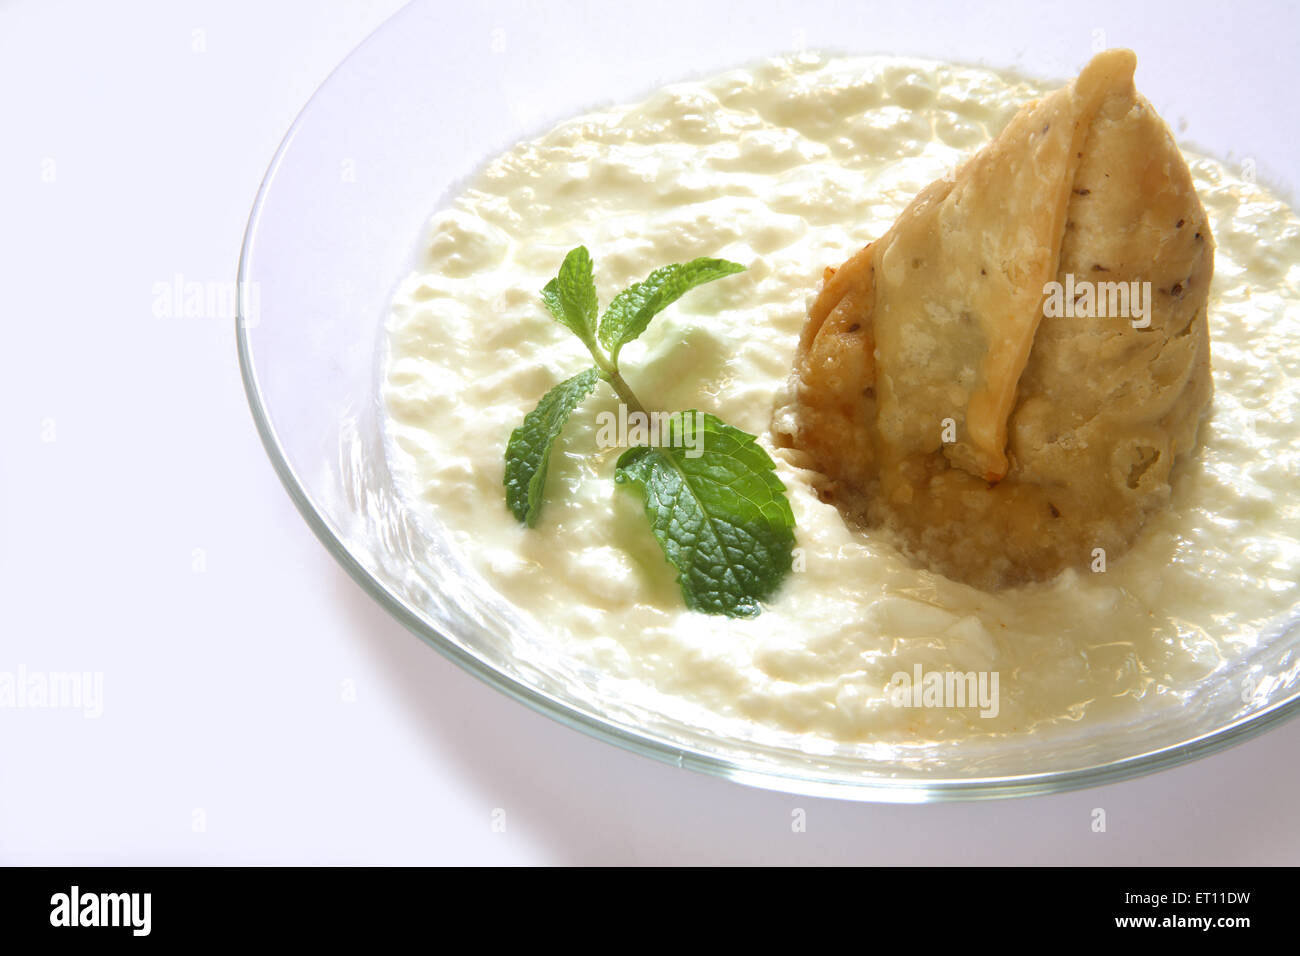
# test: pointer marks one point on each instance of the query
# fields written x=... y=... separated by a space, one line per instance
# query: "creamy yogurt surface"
x=789 y=167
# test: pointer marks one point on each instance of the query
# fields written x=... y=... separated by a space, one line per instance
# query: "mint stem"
x=625 y=393
x=610 y=373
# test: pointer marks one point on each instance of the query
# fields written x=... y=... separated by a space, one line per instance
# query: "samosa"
x=946 y=389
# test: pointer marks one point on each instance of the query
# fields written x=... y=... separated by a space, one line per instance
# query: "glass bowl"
x=406 y=117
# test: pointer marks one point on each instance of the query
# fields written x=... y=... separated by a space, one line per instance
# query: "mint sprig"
x=711 y=493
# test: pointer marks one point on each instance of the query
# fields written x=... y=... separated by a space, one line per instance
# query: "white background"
x=144 y=536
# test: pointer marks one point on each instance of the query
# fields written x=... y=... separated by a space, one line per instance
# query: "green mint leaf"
x=632 y=309
x=718 y=511
x=571 y=295
x=528 y=452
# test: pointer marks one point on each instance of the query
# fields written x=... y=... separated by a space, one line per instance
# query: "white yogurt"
x=787 y=168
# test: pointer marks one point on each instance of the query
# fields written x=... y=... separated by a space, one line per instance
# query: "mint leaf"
x=722 y=518
x=632 y=309
x=571 y=295
x=528 y=452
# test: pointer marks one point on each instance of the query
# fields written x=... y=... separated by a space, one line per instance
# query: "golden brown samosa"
x=1001 y=426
